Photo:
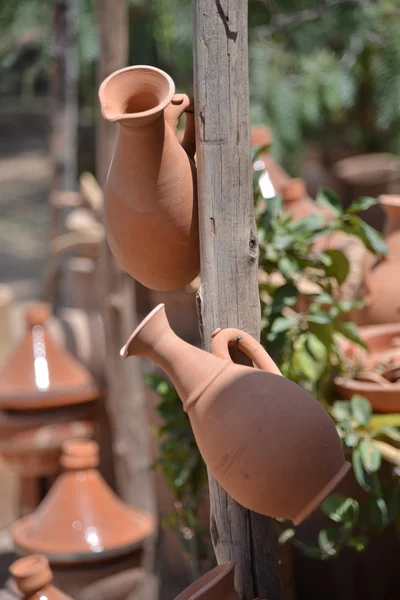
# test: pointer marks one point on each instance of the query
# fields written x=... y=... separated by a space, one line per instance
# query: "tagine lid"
x=81 y=519
x=41 y=374
x=33 y=576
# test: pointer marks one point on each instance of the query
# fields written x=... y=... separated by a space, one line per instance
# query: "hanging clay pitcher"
x=39 y=373
x=81 y=520
x=214 y=585
x=33 y=577
x=382 y=276
x=150 y=196
x=270 y=444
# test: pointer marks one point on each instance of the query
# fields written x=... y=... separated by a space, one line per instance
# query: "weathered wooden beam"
x=228 y=296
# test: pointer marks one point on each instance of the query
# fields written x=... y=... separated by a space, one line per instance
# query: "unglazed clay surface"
x=270 y=444
x=150 y=195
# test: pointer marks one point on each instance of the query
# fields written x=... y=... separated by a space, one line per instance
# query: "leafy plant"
x=376 y=504
x=184 y=472
x=301 y=328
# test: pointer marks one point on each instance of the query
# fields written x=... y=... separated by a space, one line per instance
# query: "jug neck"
x=190 y=369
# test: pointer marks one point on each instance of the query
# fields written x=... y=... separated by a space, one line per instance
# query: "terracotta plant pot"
x=382 y=279
x=39 y=373
x=150 y=196
x=33 y=577
x=384 y=352
x=81 y=520
x=217 y=584
x=249 y=424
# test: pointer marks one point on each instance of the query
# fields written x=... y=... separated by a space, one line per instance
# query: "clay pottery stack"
x=377 y=372
x=249 y=424
x=33 y=577
x=382 y=281
x=39 y=374
x=150 y=204
x=81 y=520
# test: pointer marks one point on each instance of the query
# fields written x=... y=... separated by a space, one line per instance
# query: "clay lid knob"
x=293 y=190
x=31 y=573
x=37 y=314
x=80 y=454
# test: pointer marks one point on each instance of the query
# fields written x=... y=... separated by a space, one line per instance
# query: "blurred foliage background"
x=325 y=71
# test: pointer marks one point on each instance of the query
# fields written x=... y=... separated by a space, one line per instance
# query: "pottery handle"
x=223 y=338
x=182 y=103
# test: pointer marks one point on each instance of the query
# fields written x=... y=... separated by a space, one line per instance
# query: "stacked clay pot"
x=33 y=577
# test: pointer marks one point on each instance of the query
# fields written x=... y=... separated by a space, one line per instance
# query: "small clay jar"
x=39 y=373
x=81 y=520
x=33 y=577
x=217 y=584
x=382 y=281
x=296 y=201
x=150 y=199
x=271 y=445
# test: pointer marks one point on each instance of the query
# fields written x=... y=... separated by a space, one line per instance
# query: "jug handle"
x=223 y=338
x=182 y=103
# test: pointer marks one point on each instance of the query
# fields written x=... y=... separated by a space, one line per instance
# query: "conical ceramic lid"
x=33 y=576
x=41 y=374
x=81 y=519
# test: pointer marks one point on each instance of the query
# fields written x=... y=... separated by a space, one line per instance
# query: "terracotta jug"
x=382 y=276
x=33 y=577
x=81 y=520
x=150 y=194
x=217 y=584
x=41 y=374
x=270 y=444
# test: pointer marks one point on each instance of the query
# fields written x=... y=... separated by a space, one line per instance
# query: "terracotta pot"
x=81 y=520
x=384 y=396
x=33 y=577
x=382 y=279
x=40 y=374
x=217 y=584
x=298 y=203
x=248 y=423
x=150 y=195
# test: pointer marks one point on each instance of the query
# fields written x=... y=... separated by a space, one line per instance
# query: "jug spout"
x=136 y=95
x=190 y=369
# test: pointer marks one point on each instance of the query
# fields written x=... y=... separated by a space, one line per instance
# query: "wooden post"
x=228 y=296
x=126 y=399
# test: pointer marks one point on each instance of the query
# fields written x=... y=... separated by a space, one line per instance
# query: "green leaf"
x=319 y=318
x=329 y=199
x=340 y=509
x=305 y=363
x=288 y=267
x=316 y=348
x=358 y=542
x=391 y=432
x=341 y=410
x=339 y=267
x=285 y=536
x=378 y=513
x=352 y=439
x=362 y=203
x=361 y=409
x=283 y=324
x=367 y=481
x=325 y=298
x=370 y=456
x=392 y=419
x=274 y=205
x=349 y=330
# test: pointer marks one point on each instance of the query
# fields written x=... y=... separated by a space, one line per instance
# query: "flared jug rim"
x=124 y=350
x=146 y=113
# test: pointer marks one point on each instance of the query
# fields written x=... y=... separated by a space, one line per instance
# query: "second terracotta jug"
x=270 y=444
x=150 y=194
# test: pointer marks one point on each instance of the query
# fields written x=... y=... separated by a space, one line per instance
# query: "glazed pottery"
x=41 y=374
x=382 y=280
x=81 y=520
x=150 y=205
x=214 y=585
x=382 y=359
x=33 y=577
x=270 y=445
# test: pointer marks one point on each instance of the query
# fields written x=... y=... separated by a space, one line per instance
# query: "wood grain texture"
x=126 y=399
x=228 y=296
